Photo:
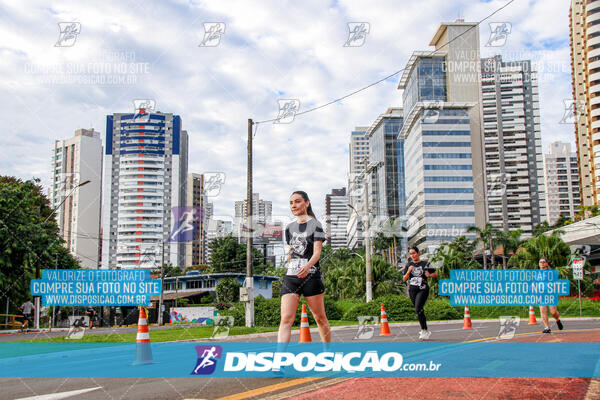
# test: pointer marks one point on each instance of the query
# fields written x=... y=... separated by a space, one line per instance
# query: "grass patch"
x=162 y=335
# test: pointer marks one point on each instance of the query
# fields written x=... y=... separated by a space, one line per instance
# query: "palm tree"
x=511 y=242
x=454 y=255
x=550 y=247
x=486 y=236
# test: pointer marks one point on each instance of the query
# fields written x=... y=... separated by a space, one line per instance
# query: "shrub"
x=228 y=290
x=237 y=312
x=440 y=309
x=400 y=308
x=267 y=312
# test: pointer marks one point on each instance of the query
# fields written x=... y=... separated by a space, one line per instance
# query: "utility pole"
x=250 y=232
x=162 y=282
x=369 y=283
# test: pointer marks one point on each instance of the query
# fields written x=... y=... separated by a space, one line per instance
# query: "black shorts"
x=311 y=285
x=27 y=317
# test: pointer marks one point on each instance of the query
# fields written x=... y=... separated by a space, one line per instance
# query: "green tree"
x=228 y=290
x=486 y=237
x=347 y=279
x=29 y=238
x=511 y=242
x=168 y=270
x=457 y=254
x=228 y=255
x=550 y=247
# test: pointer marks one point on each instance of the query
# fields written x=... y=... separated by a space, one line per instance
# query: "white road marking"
x=61 y=395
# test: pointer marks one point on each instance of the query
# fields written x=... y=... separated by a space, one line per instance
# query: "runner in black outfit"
x=418 y=271
x=305 y=238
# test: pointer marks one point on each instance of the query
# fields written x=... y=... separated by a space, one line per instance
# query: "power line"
x=390 y=75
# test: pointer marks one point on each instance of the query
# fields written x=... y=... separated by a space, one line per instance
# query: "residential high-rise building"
x=513 y=145
x=75 y=161
x=442 y=133
x=261 y=209
x=145 y=178
x=195 y=253
x=358 y=155
x=584 y=21
x=336 y=217
x=562 y=182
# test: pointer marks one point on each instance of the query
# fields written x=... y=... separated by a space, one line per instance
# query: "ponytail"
x=309 y=209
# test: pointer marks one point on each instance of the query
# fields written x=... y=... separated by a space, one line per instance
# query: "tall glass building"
x=386 y=170
x=442 y=133
x=145 y=172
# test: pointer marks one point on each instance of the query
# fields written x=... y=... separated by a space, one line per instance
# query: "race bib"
x=295 y=264
x=416 y=281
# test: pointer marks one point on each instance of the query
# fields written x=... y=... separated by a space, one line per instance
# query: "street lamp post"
x=37 y=267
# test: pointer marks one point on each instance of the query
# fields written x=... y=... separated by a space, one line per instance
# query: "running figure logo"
x=68 y=34
x=187 y=223
x=499 y=32
x=212 y=34
x=357 y=34
x=207 y=359
x=287 y=111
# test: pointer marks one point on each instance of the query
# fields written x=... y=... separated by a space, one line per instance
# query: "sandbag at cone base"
x=384 y=327
x=467 y=320
x=143 y=351
x=304 y=328
x=532 y=320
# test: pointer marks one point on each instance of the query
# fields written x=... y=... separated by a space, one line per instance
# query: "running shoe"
x=426 y=335
x=547 y=330
x=560 y=325
x=421 y=334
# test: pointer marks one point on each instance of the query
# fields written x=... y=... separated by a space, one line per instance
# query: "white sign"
x=578 y=269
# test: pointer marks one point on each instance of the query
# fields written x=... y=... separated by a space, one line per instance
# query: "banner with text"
x=95 y=287
x=514 y=287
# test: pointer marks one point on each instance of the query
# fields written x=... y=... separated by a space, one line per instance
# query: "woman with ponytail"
x=305 y=236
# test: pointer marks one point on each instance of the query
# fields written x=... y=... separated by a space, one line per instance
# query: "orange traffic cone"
x=467 y=320
x=304 y=329
x=532 y=320
x=384 y=328
x=143 y=351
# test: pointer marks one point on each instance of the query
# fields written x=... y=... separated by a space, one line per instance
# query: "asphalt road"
x=272 y=388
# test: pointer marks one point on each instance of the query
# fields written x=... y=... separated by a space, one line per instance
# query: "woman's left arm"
x=430 y=274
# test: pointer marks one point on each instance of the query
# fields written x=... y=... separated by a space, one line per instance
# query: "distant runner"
x=27 y=309
x=544 y=309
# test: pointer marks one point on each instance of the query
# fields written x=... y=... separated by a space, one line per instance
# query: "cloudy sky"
x=270 y=50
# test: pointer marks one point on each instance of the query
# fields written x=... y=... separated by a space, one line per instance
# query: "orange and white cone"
x=384 y=327
x=143 y=351
x=467 y=320
x=532 y=320
x=304 y=328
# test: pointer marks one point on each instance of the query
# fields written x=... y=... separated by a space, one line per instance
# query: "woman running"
x=303 y=277
x=418 y=271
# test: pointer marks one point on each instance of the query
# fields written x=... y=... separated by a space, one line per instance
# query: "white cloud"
x=275 y=47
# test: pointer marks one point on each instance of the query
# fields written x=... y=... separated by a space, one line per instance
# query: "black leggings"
x=418 y=298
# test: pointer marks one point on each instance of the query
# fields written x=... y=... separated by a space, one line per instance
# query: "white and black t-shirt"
x=417 y=275
x=301 y=239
